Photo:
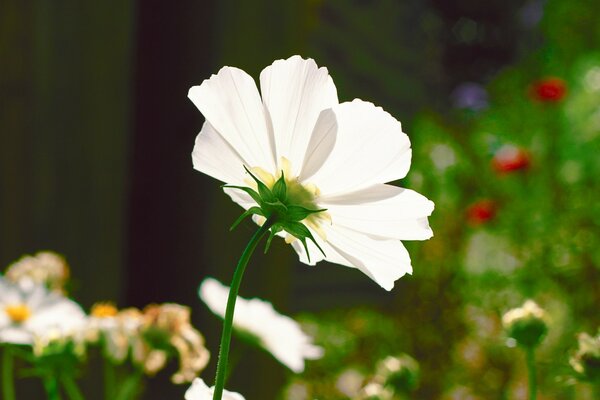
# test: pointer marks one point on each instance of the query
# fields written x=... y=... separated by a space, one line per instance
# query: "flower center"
x=18 y=313
x=298 y=194
x=103 y=310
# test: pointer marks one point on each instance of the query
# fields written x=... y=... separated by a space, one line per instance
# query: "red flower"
x=510 y=158
x=481 y=212
x=549 y=90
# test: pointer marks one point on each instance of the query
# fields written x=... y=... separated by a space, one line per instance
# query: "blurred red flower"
x=481 y=212
x=550 y=90
x=510 y=158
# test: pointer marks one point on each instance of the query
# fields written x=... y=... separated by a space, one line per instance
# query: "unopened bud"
x=586 y=362
x=526 y=324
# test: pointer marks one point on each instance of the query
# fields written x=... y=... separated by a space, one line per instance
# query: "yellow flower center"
x=300 y=194
x=18 y=313
x=103 y=310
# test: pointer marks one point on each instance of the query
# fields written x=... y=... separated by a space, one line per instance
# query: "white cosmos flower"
x=29 y=310
x=335 y=156
x=200 y=391
x=278 y=334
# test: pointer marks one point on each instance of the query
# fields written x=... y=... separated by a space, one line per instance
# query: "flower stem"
x=233 y=292
x=530 y=355
x=8 y=388
x=109 y=379
x=51 y=386
x=130 y=388
x=71 y=388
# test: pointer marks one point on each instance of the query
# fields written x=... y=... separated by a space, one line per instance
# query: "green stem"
x=51 y=386
x=8 y=388
x=129 y=389
x=71 y=388
x=530 y=355
x=109 y=379
x=233 y=292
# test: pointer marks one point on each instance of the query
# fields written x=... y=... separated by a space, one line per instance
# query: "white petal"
x=383 y=211
x=62 y=313
x=15 y=335
x=321 y=144
x=294 y=92
x=231 y=103
x=370 y=148
x=200 y=391
x=384 y=261
x=216 y=157
x=240 y=197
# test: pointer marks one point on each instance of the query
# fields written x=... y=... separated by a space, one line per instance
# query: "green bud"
x=526 y=324
x=401 y=374
x=586 y=361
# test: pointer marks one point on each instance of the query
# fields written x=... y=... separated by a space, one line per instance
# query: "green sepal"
x=301 y=232
x=263 y=190
x=280 y=188
x=251 y=192
x=275 y=229
x=298 y=213
x=250 y=211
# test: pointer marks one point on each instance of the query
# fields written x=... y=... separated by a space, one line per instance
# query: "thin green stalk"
x=71 y=388
x=51 y=386
x=228 y=321
x=8 y=382
x=530 y=355
x=110 y=379
x=130 y=388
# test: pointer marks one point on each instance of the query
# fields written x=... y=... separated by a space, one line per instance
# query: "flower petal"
x=370 y=148
x=382 y=211
x=231 y=103
x=200 y=391
x=294 y=92
x=384 y=261
x=321 y=144
x=216 y=157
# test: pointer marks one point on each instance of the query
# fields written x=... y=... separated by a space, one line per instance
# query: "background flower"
x=200 y=391
x=27 y=309
x=278 y=334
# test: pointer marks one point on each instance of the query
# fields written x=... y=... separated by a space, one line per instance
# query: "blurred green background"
x=96 y=134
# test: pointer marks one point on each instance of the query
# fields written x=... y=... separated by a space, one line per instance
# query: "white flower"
x=278 y=334
x=28 y=310
x=200 y=391
x=334 y=156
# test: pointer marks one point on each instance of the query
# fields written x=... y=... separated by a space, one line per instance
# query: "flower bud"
x=526 y=324
x=586 y=361
x=401 y=374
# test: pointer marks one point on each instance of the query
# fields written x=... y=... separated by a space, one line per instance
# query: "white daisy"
x=28 y=310
x=278 y=334
x=200 y=391
x=333 y=156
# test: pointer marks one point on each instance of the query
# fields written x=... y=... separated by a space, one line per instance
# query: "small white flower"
x=333 y=156
x=278 y=334
x=200 y=391
x=28 y=310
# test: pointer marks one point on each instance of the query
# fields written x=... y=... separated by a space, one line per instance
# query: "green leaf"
x=250 y=211
x=280 y=188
